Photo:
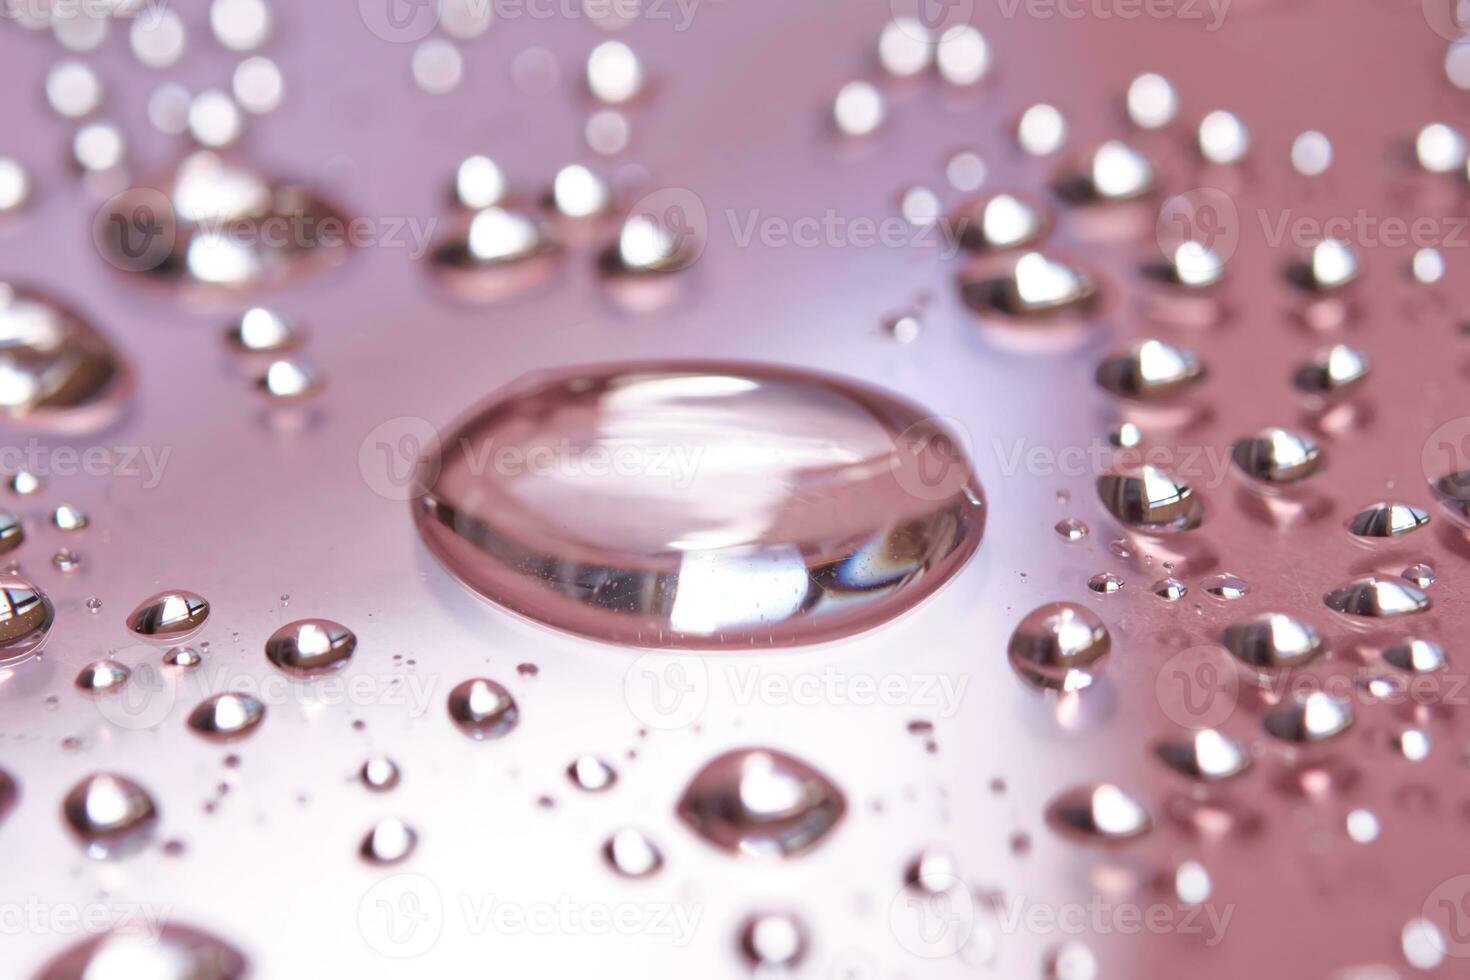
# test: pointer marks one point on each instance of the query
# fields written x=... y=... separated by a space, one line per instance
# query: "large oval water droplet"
x=1377 y=597
x=26 y=617
x=1148 y=499
x=110 y=814
x=173 y=953
x=56 y=371
x=761 y=803
x=1387 y=519
x=310 y=646
x=170 y=616
x=700 y=505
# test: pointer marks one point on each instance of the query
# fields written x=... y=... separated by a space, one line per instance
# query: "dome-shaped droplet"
x=389 y=842
x=1377 y=597
x=1226 y=586
x=997 y=222
x=26 y=616
x=310 y=646
x=1060 y=645
x=110 y=814
x=1170 y=589
x=1205 y=755
x=1114 y=171
x=931 y=872
x=499 y=252
x=289 y=381
x=173 y=952
x=650 y=245
x=182 y=657
x=1421 y=574
x=1151 y=101
x=483 y=709
x=1071 y=529
x=1273 y=641
x=1387 y=519
x=1329 y=266
x=1099 y=813
x=1223 y=138
x=592 y=774
x=171 y=615
x=215 y=223
x=1150 y=500
x=1309 y=718
x=1106 y=583
x=68 y=518
x=631 y=854
x=761 y=803
x=224 y=717
x=1276 y=456
x=1149 y=371
x=1192 y=265
x=704 y=505
x=12 y=535
x=773 y=941
x=577 y=192
x=1415 y=656
x=102 y=677
x=1332 y=372
x=379 y=774
x=56 y=371
x=1036 y=286
x=259 y=331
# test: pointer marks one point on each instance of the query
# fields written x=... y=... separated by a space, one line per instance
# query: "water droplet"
x=225 y=717
x=240 y=25
x=1071 y=960
x=1421 y=574
x=1273 y=641
x=962 y=55
x=931 y=872
x=93 y=604
x=966 y=171
x=1192 y=882
x=761 y=803
x=26 y=617
x=438 y=67
x=1331 y=265
x=379 y=774
x=258 y=85
x=738 y=546
x=1312 y=717
x=479 y=183
x=1206 y=755
x=500 y=252
x=996 y=222
x=182 y=657
x=1223 y=138
x=170 y=615
x=112 y=815
x=1411 y=743
x=1035 y=287
x=1333 y=372
x=904 y=329
x=260 y=330
x=8 y=793
x=65 y=560
x=1150 y=370
x=73 y=89
x=214 y=119
x=1071 y=529
x=577 y=192
x=905 y=47
x=1041 y=130
x=858 y=109
x=591 y=774
x=614 y=73
x=1105 y=583
x=632 y=855
x=483 y=709
x=1387 y=519
x=1226 y=586
x=1427 y=266
x=1362 y=826
x=1415 y=656
x=102 y=677
x=310 y=646
x=1150 y=500
x=1112 y=172
x=289 y=381
x=68 y=518
x=1193 y=265
x=1098 y=813
x=1276 y=456
x=158 y=40
x=1060 y=645
x=1423 y=944
x=1311 y=153
x=214 y=223
x=1377 y=597
x=1170 y=589
x=1440 y=149
x=389 y=842
x=173 y=952
x=23 y=483
x=773 y=942
x=56 y=371
x=1152 y=101
x=650 y=244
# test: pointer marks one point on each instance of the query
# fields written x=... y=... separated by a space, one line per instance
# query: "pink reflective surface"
x=213 y=488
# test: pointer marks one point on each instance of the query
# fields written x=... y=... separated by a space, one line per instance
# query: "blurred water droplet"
x=631 y=854
x=111 y=815
x=590 y=773
x=1041 y=130
x=173 y=952
x=1100 y=813
x=389 y=842
x=761 y=803
x=1150 y=370
x=773 y=941
x=182 y=657
x=379 y=774
x=56 y=370
x=1205 y=755
x=1152 y=101
x=858 y=109
x=1223 y=138
x=1312 y=717
x=1273 y=641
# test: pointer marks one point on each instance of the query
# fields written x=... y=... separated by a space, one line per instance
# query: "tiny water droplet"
x=631 y=854
x=389 y=842
x=1071 y=529
x=1225 y=586
x=182 y=657
x=1105 y=583
x=591 y=774
x=379 y=773
x=1170 y=589
x=1421 y=574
